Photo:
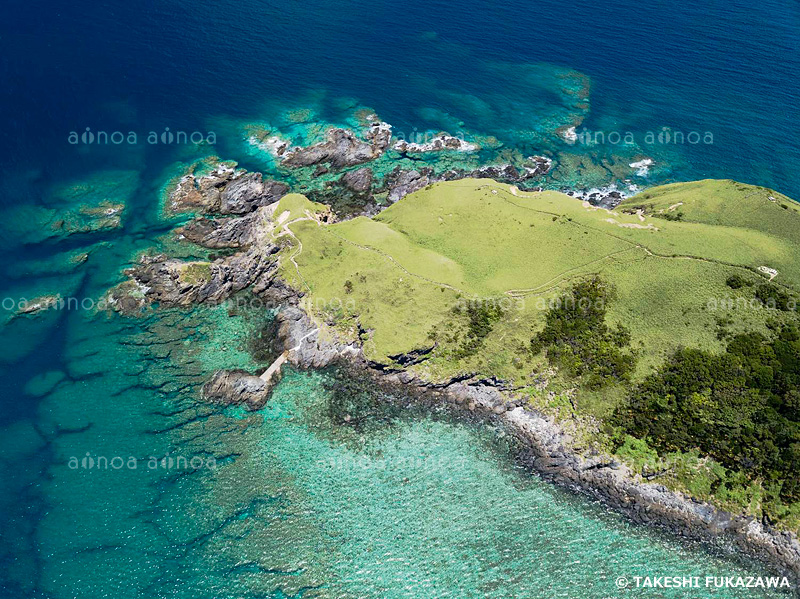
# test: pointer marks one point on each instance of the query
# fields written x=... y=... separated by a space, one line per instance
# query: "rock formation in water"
x=234 y=387
x=225 y=190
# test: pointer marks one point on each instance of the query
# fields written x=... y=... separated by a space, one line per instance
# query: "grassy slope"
x=412 y=263
x=751 y=223
x=399 y=275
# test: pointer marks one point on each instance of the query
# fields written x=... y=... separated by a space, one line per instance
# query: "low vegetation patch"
x=196 y=273
x=577 y=339
x=481 y=317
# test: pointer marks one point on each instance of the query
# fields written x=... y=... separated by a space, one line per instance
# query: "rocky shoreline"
x=246 y=203
x=549 y=454
x=342 y=172
x=547 y=446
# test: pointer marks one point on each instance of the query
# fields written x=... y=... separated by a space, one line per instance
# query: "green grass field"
x=403 y=281
x=394 y=279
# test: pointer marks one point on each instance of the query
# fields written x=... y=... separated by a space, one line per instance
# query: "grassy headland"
x=476 y=277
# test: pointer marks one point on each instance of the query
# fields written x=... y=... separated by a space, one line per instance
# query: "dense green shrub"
x=737 y=281
x=741 y=407
x=481 y=316
x=774 y=297
x=577 y=339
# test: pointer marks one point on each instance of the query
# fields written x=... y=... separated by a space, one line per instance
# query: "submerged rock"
x=43 y=383
x=40 y=304
x=103 y=216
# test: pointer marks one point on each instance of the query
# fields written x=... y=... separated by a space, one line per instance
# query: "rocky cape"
x=253 y=267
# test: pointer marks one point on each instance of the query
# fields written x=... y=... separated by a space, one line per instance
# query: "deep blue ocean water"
x=277 y=522
x=727 y=68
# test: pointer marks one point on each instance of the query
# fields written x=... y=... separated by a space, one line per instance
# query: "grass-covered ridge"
x=398 y=279
x=476 y=277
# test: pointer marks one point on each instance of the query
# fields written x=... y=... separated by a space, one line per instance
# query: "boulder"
x=359 y=180
x=237 y=387
x=248 y=192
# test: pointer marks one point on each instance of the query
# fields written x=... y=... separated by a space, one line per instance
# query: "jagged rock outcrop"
x=237 y=387
x=535 y=167
x=173 y=282
x=608 y=197
x=401 y=182
x=201 y=193
x=296 y=332
x=379 y=134
x=226 y=233
x=438 y=143
x=248 y=192
x=225 y=190
x=341 y=149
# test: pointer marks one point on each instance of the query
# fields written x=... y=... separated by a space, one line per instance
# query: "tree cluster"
x=741 y=407
x=578 y=341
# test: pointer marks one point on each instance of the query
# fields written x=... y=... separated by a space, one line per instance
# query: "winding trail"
x=285 y=230
x=537 y=290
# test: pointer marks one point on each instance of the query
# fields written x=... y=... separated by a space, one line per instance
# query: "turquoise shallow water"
x=412 y=505
x=286 y=502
